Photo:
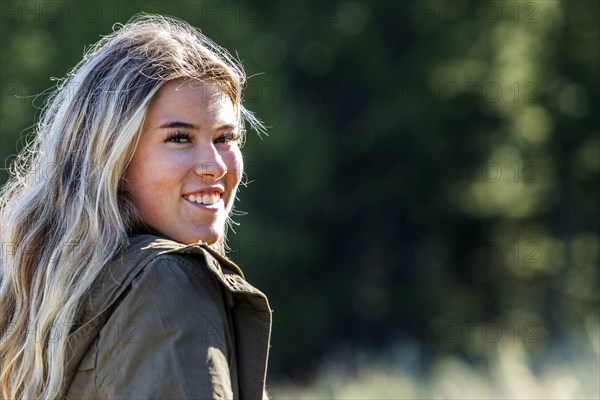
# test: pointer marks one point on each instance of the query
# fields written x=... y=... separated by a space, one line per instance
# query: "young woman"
x=114 y=282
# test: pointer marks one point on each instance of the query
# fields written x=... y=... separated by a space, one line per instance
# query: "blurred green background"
x=423 y=214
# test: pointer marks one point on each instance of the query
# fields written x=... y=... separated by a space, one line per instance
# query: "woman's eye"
x=179 y=137
x=227 y=137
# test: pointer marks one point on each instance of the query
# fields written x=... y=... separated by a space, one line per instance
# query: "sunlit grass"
x=507 y=373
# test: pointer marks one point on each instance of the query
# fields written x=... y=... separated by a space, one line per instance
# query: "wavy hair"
x=63 y=213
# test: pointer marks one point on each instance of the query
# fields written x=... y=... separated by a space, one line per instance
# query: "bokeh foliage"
x=431 y=168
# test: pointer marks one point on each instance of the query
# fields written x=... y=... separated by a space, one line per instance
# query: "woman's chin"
x=209 y=236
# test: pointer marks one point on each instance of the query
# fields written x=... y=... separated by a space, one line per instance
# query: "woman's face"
x=187 y=166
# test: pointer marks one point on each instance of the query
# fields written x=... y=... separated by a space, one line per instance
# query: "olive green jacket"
x=168 y=321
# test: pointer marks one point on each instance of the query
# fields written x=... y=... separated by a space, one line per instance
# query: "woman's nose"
x=210 y=165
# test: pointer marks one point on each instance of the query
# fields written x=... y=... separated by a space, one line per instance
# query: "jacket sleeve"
x=167 y=338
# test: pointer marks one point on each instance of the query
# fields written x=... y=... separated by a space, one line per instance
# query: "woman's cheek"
x=235 y=164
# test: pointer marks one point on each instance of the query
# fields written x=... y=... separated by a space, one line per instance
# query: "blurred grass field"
x=509 y=370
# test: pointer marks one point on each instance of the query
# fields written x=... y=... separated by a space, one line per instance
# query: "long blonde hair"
x=62 y=214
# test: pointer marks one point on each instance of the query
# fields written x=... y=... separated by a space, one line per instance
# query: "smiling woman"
x=191 y=136
x=118 y=287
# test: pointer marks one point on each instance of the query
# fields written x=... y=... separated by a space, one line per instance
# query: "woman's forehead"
x=192 y=99
x=210 y=92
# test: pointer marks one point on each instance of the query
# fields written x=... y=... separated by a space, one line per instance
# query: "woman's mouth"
x=206 y=198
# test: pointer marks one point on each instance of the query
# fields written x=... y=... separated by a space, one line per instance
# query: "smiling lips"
x=206 y=198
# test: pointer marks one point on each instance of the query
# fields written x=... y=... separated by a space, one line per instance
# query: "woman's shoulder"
x=161 y=261
x=151 y=264
x=143 y=250
x=154 y=307
x=160 y=250
x=155 y=265
x=147 y=255
x=158 y=281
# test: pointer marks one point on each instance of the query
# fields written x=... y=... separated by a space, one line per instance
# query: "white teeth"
x=206 y=198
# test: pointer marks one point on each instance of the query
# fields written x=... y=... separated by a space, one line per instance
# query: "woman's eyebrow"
x=178 y=124
x=227 y=127
x=187 y=125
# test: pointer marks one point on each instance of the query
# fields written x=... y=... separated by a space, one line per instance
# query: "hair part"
x=89 y=128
